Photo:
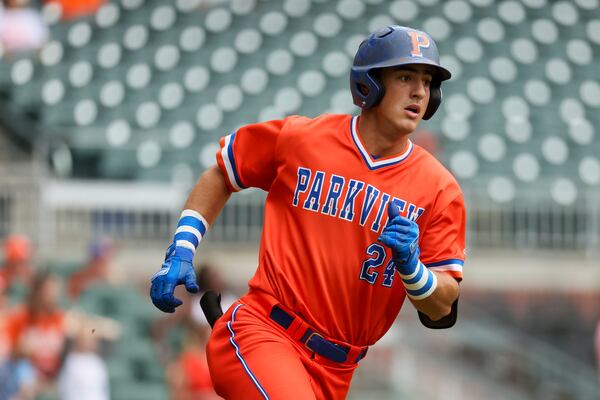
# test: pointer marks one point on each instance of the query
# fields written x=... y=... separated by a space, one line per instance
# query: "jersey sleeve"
x=247 y=156
x=443 y=243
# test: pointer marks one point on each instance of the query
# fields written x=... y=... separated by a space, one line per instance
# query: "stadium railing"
x=70 y=213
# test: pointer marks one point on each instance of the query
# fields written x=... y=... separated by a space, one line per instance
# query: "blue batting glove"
x=170 y=251
x=177 y=269
x=401 y=235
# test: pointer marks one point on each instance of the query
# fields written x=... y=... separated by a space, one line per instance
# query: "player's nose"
x=419 y=90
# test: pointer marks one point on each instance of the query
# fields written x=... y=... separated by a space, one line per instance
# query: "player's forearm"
x=203 y=205
x=439 y=303
x=209 y=195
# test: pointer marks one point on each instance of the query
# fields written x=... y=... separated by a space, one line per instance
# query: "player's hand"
x=401 y=235
x=177 y=269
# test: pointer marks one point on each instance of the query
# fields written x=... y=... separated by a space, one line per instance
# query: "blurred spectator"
x=21 y=27
x=427 y=140
x=5 y=344
x=187 y=373
x=17 y=261
x=597 y=345
x=73 y=9
x=188 y=376
x=17 y=379
x=190 y=313
x=209 y=278
x=84 y=375
x=96 y=270
x=37 y=329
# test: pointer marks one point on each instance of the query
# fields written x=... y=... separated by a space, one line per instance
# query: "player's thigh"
x=330 y=380
x=248 y=359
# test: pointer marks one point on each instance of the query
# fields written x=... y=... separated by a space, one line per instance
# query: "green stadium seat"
x=139 y=391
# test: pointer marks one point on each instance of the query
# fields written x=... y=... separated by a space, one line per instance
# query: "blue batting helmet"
x=389 y=47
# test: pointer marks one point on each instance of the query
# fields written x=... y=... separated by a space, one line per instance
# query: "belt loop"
x=295 y=330
x=362 y=354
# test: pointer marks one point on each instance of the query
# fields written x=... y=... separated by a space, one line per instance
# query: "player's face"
x=406 y=96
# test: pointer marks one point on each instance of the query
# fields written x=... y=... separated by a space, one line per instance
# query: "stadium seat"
x=438 y=28
x=327 y=25
x=457 y=11
x=490 y=30
x=108 y=15
x=163 y=17
x=242 y=7
x=51 y=13
x=378 y=21
x=350 y=9
x=273 y=23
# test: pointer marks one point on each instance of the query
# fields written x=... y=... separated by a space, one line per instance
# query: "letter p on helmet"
x=419 y=41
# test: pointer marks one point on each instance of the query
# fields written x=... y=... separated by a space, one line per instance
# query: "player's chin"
x=407 y=125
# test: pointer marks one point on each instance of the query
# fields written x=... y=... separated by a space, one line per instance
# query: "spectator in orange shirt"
x=5 y=343
x=38 y=329
x=597 y=345
x=17 y=261
x=188 y=375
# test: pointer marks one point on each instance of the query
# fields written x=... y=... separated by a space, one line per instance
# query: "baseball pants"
x=251 y=357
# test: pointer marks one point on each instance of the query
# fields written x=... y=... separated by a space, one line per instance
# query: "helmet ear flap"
x=377 y=90
x=435 y=99
x=361 y=80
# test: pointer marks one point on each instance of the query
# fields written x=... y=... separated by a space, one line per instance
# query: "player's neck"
x=379 y=139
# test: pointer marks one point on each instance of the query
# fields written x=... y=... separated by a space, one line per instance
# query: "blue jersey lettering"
x=336 y=185
x=312 y=201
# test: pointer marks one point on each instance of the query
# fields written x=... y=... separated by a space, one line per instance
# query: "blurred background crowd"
x=63 y=331
x=110 y=109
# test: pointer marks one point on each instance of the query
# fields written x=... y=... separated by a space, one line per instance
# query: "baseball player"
x=357 y=218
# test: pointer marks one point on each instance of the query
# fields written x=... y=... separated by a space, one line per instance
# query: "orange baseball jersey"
x=326 y=207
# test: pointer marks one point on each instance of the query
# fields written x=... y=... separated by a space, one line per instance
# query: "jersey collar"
x=371 y=162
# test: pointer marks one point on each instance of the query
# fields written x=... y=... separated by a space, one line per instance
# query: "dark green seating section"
x=112 y=87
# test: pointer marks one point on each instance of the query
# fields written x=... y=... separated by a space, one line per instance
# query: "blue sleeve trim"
x=232 y=161
x=446 y=262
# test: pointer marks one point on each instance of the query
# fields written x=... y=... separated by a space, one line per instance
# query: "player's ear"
x=363 y=89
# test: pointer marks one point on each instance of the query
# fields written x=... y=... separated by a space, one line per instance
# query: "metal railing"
x=58 y=213
x=533 y=221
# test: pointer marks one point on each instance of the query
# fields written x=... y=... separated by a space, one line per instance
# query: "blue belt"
x=315 y=341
